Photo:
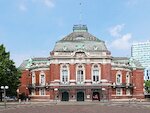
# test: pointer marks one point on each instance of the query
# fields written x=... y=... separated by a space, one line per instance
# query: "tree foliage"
x=147 y=86
x=9 y=74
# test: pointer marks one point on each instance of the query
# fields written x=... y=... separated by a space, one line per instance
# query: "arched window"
x=42 y=78
x=33 y=78
x=64 y=73
x=95 y=73
x=80 y=74
x=127 y=78
x=118 y=78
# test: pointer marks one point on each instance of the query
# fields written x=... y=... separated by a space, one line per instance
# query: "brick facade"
x=82 y=71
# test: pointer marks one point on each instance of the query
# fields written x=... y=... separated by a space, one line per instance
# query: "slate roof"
x=33 y=61
x=120 y=58
x=40 y=59
x=80 y=36
x=80 y=39
x=128 y=61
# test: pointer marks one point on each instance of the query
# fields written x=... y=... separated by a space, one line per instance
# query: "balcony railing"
x=129 y=85
x=36 y=85
x=122 y=85
x=64 y=83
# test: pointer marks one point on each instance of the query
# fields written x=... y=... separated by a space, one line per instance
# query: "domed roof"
x=80 y=38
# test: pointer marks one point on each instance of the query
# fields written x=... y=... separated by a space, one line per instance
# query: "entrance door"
x=96 y=96
x=80 y=96
x=65 y=96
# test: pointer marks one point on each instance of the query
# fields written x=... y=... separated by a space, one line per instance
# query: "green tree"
x=9 y=74
x=147 y=86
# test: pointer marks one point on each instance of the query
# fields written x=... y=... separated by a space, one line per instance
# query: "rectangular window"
x=118 y=91
x=42 y=80
x=127 y=79
x=97 y=79
x=94 y=78
x=33 y=79
x=64 y=76
x=127 y=91
x=42 y=91
x=80 y=77
x=95 y=75
x=118 y=80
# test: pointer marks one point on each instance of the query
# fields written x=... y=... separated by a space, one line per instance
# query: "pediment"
x=80 y=54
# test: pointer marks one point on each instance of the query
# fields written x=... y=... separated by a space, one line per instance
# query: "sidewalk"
x=52 y=103
x=24 y=104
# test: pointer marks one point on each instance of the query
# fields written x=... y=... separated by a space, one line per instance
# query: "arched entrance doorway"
x=80 y=96
x=96 y=96
x=65 y=96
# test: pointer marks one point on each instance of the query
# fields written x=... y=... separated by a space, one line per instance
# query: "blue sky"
x=30 y=28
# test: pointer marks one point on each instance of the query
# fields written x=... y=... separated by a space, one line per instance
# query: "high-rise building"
x=141 y=52
x=81 y=68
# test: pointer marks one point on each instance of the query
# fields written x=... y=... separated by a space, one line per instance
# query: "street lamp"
x=4 y=88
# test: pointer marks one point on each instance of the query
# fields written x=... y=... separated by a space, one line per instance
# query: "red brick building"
x=81 y=68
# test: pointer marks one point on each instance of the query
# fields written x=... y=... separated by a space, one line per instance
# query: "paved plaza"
x=77 y=107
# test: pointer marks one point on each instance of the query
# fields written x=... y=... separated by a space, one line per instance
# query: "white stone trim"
x=33 y=78
x=68 y=69
x=71 y=60
x=128 y=81
x=88 y=80
x=42 y=73
x=39 y=69
x=56 y=80
x=83 y=69
x=119 y=73
x=72 y=80
x=99 y=69
x=106 y=84
x=120 y=68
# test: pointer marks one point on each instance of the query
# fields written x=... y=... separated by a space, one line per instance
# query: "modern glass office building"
x=141 y=52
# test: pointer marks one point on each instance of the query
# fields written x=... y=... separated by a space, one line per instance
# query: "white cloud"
x=49 y=3
x=115 y=31
x=120 y=41
x=123 y=42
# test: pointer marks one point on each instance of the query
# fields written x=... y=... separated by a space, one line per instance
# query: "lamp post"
x=4 y=88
